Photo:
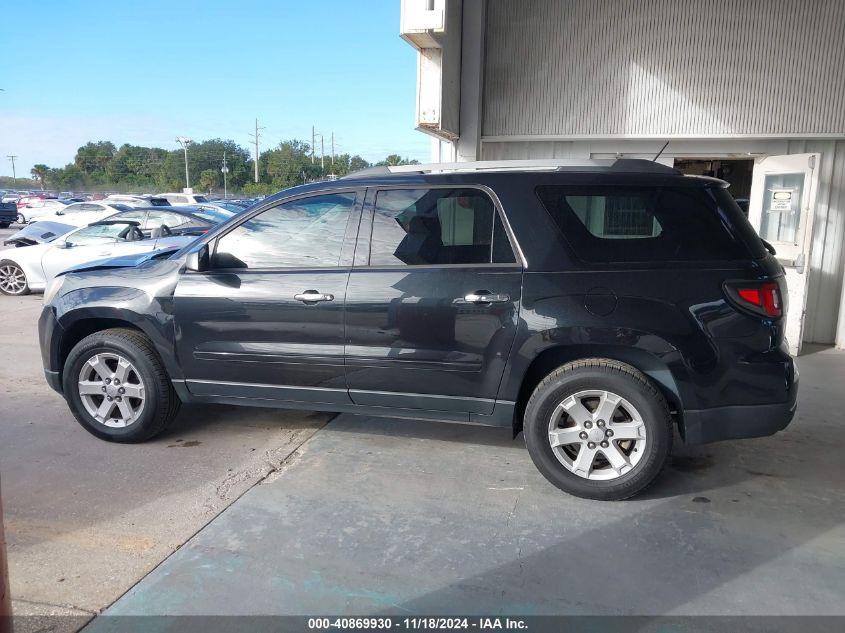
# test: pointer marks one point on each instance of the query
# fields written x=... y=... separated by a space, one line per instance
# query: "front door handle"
x=312 y=296
x=482 y=296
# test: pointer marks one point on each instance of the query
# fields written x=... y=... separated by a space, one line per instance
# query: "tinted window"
x=436 y=226
x=642 y=224
x=74 y=208
x=302 y=233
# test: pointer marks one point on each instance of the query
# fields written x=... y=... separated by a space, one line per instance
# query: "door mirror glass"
x=198 y=260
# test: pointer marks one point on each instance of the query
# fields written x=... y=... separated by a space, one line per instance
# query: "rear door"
x=433 y=300
x=266 y=320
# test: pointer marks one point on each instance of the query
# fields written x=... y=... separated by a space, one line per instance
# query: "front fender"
x=78 y=310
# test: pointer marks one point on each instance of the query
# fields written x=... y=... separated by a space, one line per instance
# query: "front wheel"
x=598 y=429
x=13 y=279
x=117 y=387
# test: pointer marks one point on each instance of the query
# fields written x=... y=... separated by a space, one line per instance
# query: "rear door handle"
x=486 y=297
x=312 y=296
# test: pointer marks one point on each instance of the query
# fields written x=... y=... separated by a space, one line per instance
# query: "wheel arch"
x=76 y=326
x=553 y=357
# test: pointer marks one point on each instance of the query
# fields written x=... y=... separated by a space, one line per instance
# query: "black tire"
x=161 y=402
x=605 y=375
x=8 y=265
x=21 y=219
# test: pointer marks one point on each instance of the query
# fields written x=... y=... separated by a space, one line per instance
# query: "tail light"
x=762 y=298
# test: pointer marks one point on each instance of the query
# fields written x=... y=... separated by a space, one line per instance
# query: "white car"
x=84 y=213
x=177 y=199
x=25 y=270
x=39 y=208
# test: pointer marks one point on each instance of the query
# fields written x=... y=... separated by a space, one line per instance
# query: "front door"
x=433 y=301
x=782 y=206
x=266 y=320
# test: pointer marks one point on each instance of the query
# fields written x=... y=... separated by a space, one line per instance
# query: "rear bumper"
x=702 y=426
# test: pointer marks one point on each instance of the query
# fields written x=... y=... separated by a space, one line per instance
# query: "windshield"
x=98 y=234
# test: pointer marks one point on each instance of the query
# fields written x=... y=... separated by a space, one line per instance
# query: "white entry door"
x=782 y=206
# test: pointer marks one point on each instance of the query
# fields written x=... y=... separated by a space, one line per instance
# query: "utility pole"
x=14 y=175
x=225 y=171
x=313 y=143
x=322 y=152
x=185 y=142
x=255 y=137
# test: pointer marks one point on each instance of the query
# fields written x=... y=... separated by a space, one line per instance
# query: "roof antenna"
x=654 y=160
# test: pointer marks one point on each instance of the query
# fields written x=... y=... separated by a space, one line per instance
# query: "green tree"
x=39 y=172
x=208 y=180
x=395 y=159
x=92 y=158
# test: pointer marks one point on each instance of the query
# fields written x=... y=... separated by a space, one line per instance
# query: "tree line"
x=101 y=166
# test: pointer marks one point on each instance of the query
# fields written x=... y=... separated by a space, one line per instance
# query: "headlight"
x=53 y=288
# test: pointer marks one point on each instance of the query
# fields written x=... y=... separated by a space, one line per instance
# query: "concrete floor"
x=85 y=519
x=387 y=516
x=400 y=517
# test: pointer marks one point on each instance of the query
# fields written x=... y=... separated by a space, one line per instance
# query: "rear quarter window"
x=630 y=224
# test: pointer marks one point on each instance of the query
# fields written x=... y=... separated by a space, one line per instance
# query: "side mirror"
x=198 y=261
x=59 y=212
x=63 y=244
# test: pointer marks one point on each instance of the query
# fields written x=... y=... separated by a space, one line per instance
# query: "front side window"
x=302 y=233
x=74 y=208
x=420 y=227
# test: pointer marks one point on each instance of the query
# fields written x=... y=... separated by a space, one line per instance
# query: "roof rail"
x=629 y=165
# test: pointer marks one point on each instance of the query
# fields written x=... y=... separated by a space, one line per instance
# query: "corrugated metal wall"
x=664 y=67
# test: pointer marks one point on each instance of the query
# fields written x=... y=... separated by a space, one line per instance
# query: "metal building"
x=751 y=91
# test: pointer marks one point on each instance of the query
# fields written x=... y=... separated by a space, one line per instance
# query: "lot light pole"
x=184 y=141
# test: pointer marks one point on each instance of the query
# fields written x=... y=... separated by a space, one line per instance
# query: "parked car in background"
x=25 y=200
x=594 y=307
x=38 y=233
x=82 y=213
x=25 y=270
x=177 y=199
x=171 y=220
x=223 y=208
x=8 y=214
x=39 y=208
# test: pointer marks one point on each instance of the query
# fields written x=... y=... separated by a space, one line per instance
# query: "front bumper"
x=49 y=337
x=702 y=426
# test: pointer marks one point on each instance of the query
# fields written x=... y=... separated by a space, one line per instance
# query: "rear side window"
x=423 y=227
x=619 y=224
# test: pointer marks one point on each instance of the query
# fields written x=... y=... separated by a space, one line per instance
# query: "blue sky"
x=145 y=72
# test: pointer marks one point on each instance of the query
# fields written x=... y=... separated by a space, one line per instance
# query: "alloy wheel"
x=111 y=390
x=12 y=279
x=597 y=435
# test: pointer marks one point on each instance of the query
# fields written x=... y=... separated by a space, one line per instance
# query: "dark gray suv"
x=595 y=307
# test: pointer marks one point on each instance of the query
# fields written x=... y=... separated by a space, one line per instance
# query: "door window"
x=781 y=207
x=302 y=233
x=98 y=234
x=423 y=227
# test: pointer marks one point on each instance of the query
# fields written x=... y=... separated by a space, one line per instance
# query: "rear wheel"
x=598 y=429
x=117 y=387
x=21 y=219
x=12 y=279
